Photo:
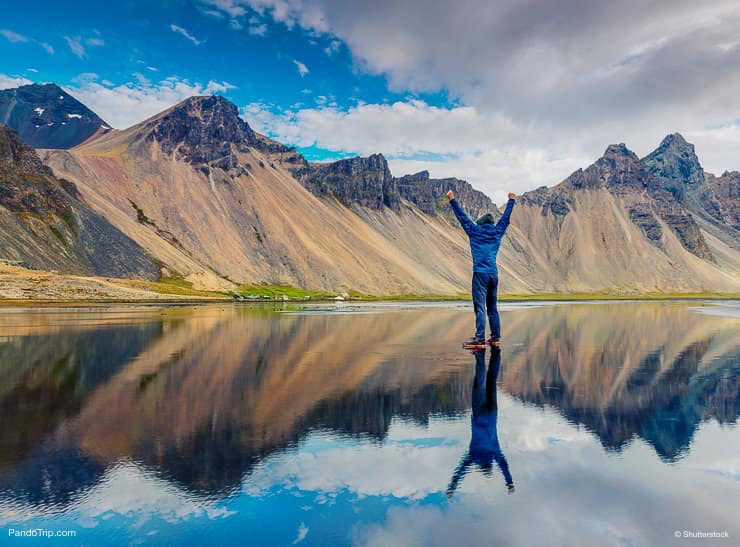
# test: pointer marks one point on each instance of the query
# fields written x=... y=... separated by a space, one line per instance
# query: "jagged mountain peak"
x=675 y=140
x=619 y=152
x=199 y=121
x=619 y=170
x=676 y=165
x=211 y=108
x=205 y=129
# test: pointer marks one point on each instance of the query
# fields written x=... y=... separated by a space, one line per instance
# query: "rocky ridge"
x=429 y=195
x=713 y=200
x=721 y=198
x=365 y=181
x=623 y=174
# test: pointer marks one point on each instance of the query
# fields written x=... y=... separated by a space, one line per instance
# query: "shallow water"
x=614 y=423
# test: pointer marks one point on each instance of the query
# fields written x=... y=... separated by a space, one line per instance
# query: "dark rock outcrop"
x=713 y=199
x=45 y=225
x=643 y=218
x=675 y=164
x=202 y=130
x=207 y=131
x=619 y=170
x=46 y=116
x=721 y=198
x=429 y=195
x=364 y=181
x=553 y=202
x=538 y=196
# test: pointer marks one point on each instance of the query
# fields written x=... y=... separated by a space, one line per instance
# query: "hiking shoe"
x=474 y=343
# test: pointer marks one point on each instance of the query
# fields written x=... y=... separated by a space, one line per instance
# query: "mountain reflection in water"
x=200 y=396
x=625 y=370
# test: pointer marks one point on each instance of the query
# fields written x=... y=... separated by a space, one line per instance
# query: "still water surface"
x=596 y=424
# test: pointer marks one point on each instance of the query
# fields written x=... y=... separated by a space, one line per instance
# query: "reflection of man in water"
x=484 y=448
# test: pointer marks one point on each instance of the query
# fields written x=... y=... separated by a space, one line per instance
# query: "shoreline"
x=183 y=301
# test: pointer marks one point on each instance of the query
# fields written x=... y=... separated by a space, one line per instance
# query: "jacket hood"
x=486 y=218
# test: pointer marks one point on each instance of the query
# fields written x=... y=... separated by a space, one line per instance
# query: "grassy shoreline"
x=202 y=297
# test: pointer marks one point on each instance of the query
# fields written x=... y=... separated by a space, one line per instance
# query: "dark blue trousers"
x=485 y=289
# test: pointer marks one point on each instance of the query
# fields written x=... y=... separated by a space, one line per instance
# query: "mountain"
x=46 y=116
x=222 y=205
x=614 y=226
x=216 y=202
x=45 y=223
x=713 y=201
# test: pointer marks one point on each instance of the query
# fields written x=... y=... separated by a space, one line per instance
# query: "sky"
x=509 y=95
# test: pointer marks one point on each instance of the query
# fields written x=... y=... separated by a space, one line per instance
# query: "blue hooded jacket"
x=484 y=239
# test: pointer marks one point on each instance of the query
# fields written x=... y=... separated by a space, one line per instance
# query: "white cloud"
x=486 y=149
x=8 y=82
x=258 y=30
x=302 y=533
x=257 y=27
x=127 y=104
x=127 y=490
x=95 y=41
x=75 y=45
x=575 y=75
x=15 y=37
x=12 y=36
x=232 y=8
x=183 y=32
x=302 y=69
x=288 y=12
x=333 y=47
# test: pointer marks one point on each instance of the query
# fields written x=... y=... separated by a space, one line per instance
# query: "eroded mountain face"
x=46 y=225
x=713 y=200
x=620 y=172
x=721 y=198
x=46 y=116
x=365 y=181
